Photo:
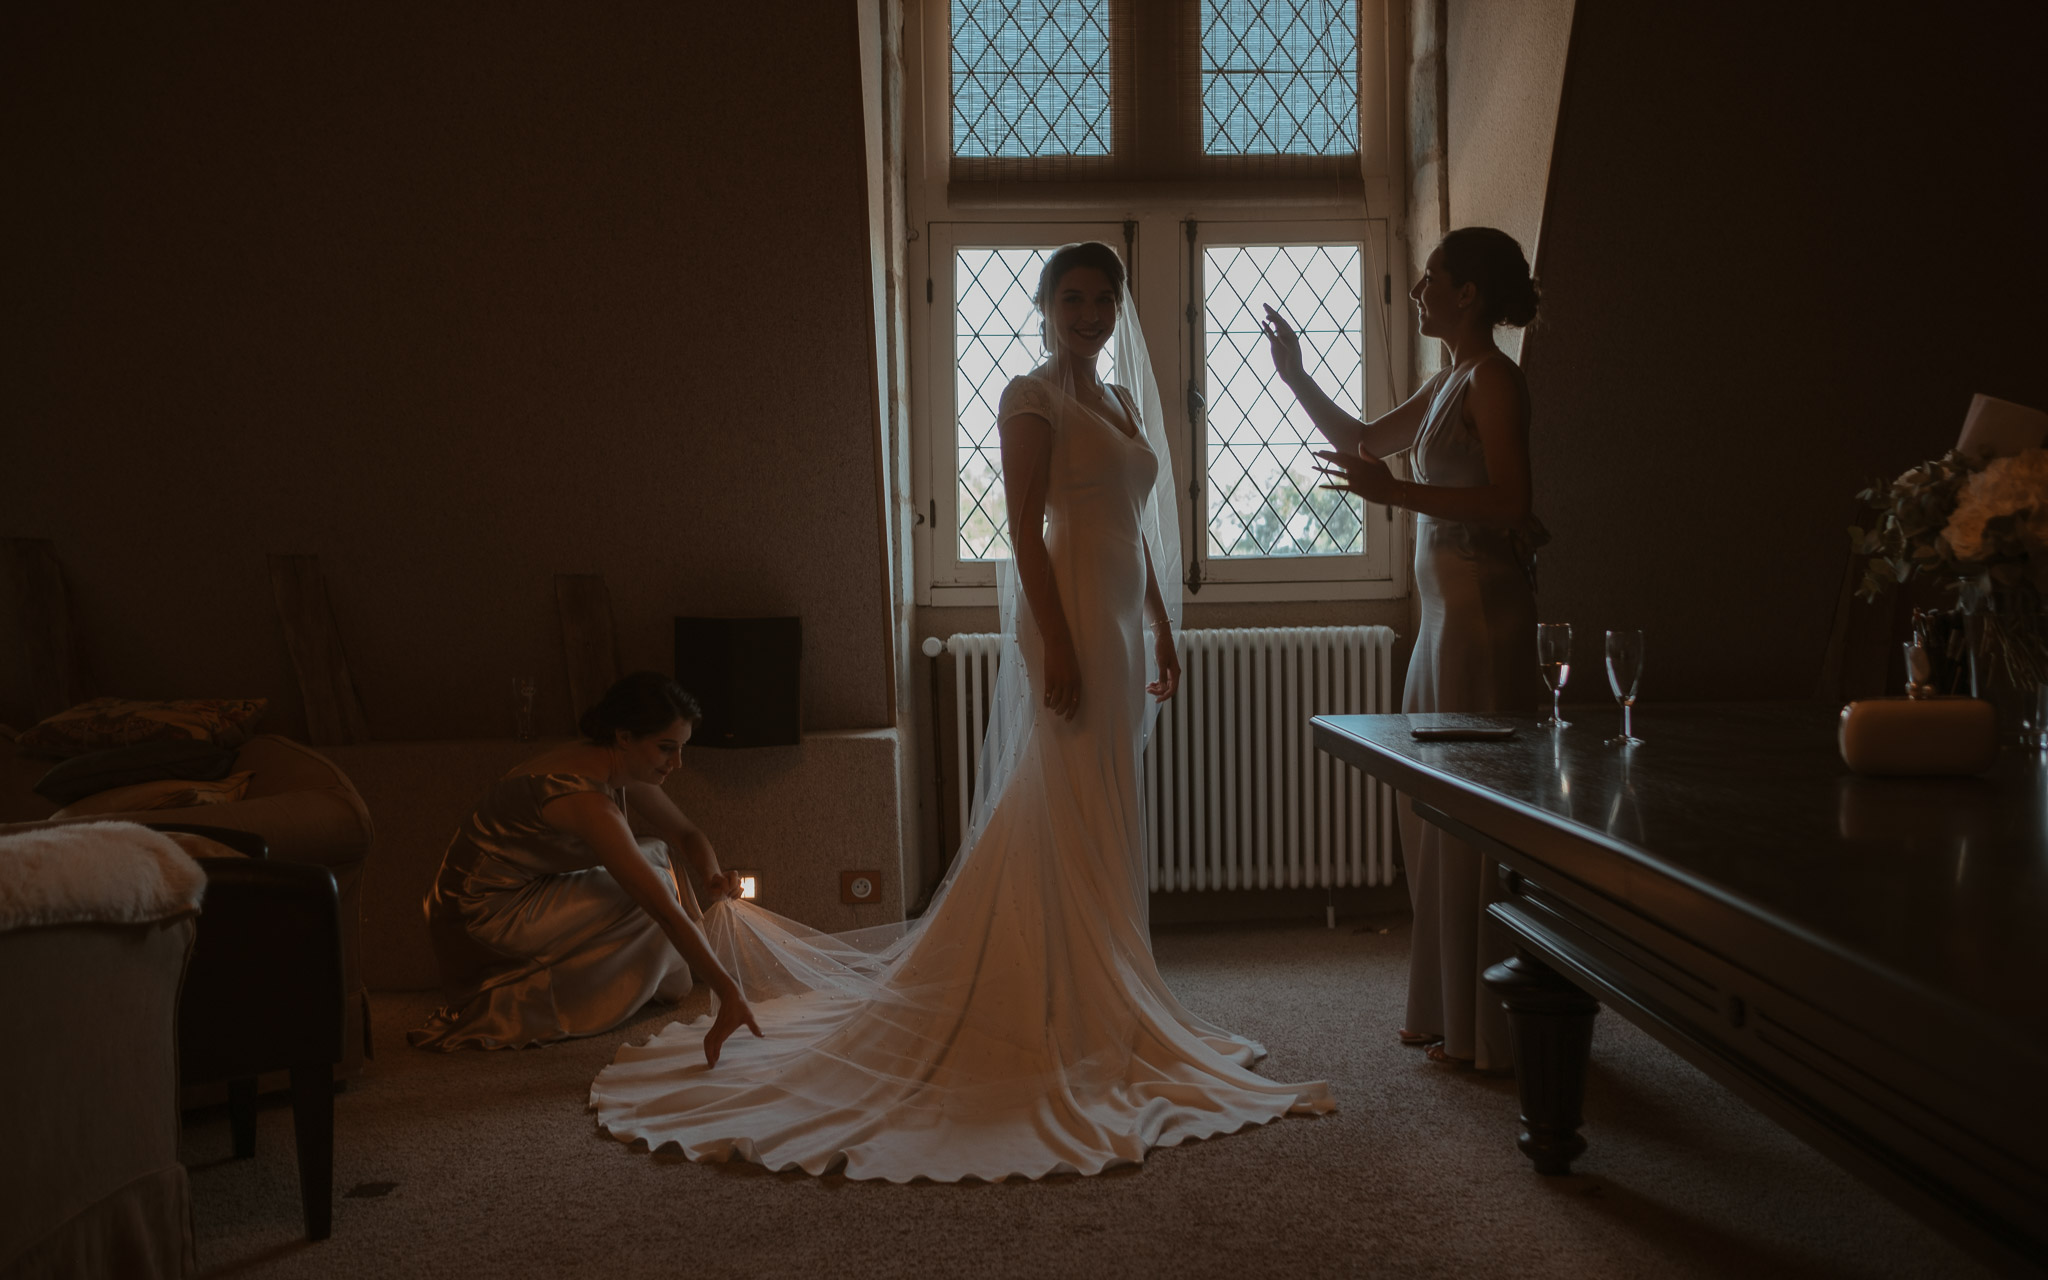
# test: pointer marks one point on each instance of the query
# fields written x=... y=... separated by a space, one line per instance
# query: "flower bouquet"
x=1980 y=524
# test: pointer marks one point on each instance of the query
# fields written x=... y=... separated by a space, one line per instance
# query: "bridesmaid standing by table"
x=1467 y=434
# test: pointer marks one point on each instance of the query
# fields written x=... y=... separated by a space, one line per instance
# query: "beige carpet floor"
x=495 y=1168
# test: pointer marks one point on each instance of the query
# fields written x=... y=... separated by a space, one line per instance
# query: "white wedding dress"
x=1021 y=1026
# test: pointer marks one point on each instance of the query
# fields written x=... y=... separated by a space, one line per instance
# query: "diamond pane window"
x=1031 y=77
x=1263 y=494
x=996 y=338
x=1279 y=77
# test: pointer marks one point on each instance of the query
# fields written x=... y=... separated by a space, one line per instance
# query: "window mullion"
x=1195 y=548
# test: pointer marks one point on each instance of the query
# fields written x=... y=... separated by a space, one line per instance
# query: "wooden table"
x=1865 y=960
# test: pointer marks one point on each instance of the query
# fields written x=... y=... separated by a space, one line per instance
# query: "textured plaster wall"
x=1783 y=245
x=457 y=297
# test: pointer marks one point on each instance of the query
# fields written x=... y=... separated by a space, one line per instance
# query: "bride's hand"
x=1284 y=344
x=1360 y=473
x=1062 y=678
x=723 y=885
x=1169 y=665
x=733 y=1014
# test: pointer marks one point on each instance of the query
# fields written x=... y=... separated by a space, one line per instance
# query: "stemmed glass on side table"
x=1624 y=670
x=1554 y=658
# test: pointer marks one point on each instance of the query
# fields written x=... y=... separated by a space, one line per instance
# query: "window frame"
x=943 y=216
x=1376 y=562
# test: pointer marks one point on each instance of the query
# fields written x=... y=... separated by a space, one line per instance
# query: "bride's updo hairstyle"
x=642 y=704
x=1087 y=253
x=1492 y=261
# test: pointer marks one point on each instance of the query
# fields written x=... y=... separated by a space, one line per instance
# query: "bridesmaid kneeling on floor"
x=557 y=912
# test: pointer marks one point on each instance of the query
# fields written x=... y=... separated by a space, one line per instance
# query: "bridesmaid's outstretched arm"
x=1389 y=433
x=1497 y=406
x=594 y=820
x=656 y=814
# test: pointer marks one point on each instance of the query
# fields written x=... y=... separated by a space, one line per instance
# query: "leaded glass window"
x=1264 y=497
x=1279 y=77
x=1031 y=77
x=996 y=337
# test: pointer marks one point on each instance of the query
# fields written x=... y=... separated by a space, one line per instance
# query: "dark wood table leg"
x=242 y=1116
x=1550 y=1023
x=313 y=1128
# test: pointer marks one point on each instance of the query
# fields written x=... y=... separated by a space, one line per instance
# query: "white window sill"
x=948 y=597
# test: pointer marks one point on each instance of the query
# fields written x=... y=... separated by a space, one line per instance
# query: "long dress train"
x=1021 y=1027
x=1475 y=652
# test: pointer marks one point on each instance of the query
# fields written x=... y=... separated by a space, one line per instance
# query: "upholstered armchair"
x=96 y=924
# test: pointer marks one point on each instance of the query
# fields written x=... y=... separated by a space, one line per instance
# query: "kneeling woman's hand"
x=733 y=1014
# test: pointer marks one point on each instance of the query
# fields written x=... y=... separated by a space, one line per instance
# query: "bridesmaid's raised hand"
x=733 y=1014
x=1284 y=344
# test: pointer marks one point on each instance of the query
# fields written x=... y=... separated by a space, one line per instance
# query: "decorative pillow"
x=121 y=722
x=170 y=793
x=112 y=872
x=97 y=771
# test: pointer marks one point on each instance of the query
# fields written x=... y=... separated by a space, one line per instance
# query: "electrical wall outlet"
x=859 y=887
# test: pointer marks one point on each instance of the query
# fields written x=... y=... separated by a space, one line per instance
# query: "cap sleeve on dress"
x=1025 y=395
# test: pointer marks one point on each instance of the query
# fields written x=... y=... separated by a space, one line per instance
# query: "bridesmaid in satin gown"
x=556 y=911
x=1467 y=435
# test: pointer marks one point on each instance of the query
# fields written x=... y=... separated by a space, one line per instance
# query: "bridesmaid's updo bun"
x=643 y=703
x=1493 y=262
x=1086 y=253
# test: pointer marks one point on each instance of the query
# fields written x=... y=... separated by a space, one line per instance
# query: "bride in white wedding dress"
x=1020 y=1027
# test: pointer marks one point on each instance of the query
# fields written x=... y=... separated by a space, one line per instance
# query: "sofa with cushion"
x=301 y=804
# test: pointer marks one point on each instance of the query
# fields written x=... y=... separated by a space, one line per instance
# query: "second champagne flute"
x=1624 y=671
x=1554 y=658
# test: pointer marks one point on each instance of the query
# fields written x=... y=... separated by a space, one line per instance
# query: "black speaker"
x=747 y=674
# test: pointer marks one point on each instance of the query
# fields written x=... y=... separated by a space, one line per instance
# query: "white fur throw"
x=94 y=873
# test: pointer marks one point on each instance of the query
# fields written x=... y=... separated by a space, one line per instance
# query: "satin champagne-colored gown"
x=1475 y=652
x=535 y=940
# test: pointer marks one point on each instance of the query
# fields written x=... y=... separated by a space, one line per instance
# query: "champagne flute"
x=1624 y=671
x=1554 y=657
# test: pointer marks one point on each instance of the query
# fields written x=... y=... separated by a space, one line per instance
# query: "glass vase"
x=2022 y=706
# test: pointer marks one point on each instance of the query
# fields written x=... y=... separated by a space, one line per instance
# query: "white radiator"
x=1236 y=795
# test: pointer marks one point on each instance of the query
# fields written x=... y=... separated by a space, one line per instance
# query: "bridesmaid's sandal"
x=1417 y=1039
x=1436 y=1053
